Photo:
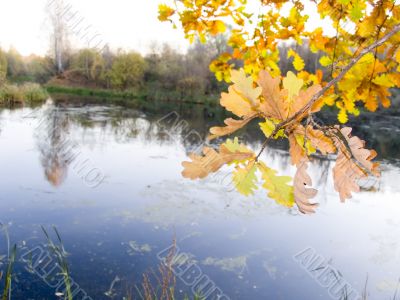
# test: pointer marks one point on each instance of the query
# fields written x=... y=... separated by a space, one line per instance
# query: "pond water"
x=108 y=178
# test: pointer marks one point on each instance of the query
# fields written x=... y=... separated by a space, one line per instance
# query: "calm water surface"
x=109 y=179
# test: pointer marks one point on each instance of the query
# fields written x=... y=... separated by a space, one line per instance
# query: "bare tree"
x=56 y=10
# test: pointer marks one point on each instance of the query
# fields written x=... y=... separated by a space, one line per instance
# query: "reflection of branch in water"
x=322 y=181
x=54 y=146
x=323 y=166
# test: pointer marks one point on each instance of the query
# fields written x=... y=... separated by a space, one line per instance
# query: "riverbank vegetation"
x=163 y=74
x=26 y=93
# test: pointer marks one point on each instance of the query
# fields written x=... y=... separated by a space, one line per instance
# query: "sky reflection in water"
x=244 y=244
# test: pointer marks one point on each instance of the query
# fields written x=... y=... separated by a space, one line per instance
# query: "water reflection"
x=55 y=148
x=245 y=244
x=95 y=125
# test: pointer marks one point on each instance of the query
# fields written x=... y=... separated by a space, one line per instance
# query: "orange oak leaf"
x=242 y=97
x=236 y=103
x=231 y=126
x=320 y=141
x=296 y=151
x=317 y=138
x=283 y=104
x=272 y=106
x=302 y=193
x=212 y=161
x=302 y=99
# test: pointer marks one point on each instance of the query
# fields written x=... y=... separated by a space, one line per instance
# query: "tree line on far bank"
x=163 y=70
x=162 y=74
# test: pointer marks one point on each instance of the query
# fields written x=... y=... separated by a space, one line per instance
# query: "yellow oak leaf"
x=164 y=12
x=245 y=179
x=329 y=99
x=217 y=27
x=397 y=56
x=356 y=11
x=277 y=186
x=298 y=62
x=268 y=127
x=383 y=80
x=244 y=85
x=366 y=27
x=342 y=116
x=292 y=84
x=395 y=78
x=325 y=61
x=305 y=143
x=235 y=146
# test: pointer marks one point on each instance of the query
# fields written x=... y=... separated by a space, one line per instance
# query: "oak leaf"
x=302 y=193
x=296 y=150
x=282 y=104
x=244 y=85
x=278 y=186
x=273 y=105
x=236 y=103
x=317 y=139
x=300 y=100
x=231 y=126
x=245 y=179
x=269 y=126
x=235 y=146
x=292 y=84
x=298 y=62
x=352 y=164
x=212 y=161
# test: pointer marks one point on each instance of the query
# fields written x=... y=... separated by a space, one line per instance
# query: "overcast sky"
x=129 y=24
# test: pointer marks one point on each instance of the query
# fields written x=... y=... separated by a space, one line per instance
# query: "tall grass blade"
x=8 y=276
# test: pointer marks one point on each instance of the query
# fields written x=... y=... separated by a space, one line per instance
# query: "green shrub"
x=33 y=92
x=25 y=93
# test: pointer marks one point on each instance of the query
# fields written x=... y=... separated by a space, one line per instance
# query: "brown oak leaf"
x=352 y=164
x=302 y=193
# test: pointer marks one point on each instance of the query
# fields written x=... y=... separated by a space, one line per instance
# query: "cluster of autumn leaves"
x=279 y=104
x=256 y=29
x=286 y=105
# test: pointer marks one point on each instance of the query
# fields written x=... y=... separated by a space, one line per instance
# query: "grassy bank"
x=145 y=94
x=29 y=93
x=86 y=92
